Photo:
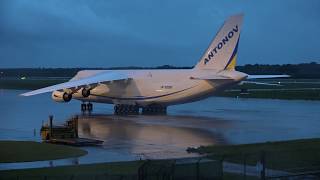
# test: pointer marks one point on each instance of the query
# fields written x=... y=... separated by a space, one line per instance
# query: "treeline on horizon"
x=303 y=70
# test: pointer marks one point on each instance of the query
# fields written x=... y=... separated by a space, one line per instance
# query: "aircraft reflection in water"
x=141 y=135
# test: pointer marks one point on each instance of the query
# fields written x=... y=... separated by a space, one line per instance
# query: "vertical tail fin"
x=222 y=52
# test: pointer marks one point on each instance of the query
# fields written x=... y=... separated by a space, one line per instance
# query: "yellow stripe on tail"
x=232 y=64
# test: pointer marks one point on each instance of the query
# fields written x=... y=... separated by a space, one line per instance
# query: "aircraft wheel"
x=129 y=107
x=146 y=110
x=163 y=110
x=89 y=107
x=116 y=109
x=136 y=109
x=154 y=109
x=125 y=110
x=120 y=109
x=83 y=107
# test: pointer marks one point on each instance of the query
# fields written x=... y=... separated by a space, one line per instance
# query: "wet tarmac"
x=215 y=120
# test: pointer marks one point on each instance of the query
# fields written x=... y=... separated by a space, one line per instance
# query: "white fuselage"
x=163 y=87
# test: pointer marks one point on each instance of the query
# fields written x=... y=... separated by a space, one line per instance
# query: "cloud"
x=149 y=32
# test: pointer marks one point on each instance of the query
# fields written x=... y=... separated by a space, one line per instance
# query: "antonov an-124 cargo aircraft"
x=154 y=90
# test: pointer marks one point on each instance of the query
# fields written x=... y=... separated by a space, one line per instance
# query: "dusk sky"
x=109 y=33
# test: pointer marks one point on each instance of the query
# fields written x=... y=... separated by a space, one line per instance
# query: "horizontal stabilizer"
x=91 y=80
x=266 y=76
x=259 y=83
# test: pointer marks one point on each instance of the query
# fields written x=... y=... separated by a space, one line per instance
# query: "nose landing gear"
x=86 y=107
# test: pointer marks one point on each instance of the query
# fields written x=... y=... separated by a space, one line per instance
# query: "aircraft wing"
x=87 y=81
x=266 y=76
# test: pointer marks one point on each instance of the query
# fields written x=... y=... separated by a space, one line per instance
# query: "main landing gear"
x=123 y=109
x=154 y=110
x=86 y=107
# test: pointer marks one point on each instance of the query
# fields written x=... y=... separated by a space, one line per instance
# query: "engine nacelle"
x=59 y=96
x=85 y=92
x=82 y=93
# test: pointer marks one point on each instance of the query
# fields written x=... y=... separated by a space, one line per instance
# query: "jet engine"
x=85 y=92
x=59 y=96
x=82 y=93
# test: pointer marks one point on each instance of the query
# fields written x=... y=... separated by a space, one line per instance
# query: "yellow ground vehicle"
x=68 y=130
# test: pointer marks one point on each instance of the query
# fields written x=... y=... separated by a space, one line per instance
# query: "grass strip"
x=293 y=155
x=23 y=151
